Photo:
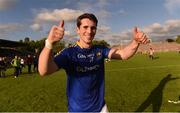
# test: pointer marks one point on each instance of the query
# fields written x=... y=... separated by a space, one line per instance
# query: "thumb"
x=135 y=30
x=61 y=24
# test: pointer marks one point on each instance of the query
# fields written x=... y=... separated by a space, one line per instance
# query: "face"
x=87 y=31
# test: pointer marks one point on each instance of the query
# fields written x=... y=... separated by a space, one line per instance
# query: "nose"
x=89 y=30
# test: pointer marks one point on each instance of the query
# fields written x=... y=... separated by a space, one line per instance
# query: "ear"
x=77 y=30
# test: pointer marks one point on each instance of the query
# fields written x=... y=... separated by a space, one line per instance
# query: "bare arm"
x=46 y=64
x=129 y=50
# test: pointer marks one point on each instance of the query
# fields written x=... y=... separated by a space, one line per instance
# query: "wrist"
x=136 y=41
x=48 y=44
x=135 y=44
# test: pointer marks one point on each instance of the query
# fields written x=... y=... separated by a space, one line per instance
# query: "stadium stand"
x=157 y=46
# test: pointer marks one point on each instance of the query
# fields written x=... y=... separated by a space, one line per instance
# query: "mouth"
x=88 y=36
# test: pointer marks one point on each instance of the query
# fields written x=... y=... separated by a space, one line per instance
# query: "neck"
x=82 y=44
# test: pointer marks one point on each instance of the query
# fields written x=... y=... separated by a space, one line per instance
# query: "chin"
x=89 y=41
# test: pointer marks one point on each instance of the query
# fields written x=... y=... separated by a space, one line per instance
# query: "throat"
x=84 y=45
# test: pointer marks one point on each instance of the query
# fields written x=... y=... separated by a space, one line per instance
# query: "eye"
x=93 y=28
x=85 y=27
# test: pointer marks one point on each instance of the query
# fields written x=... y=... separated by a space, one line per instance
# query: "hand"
x=140 y=37
x=56 y=33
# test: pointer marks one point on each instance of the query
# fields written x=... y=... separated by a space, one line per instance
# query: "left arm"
x=129 y=50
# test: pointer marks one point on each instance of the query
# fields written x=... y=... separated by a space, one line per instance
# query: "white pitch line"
x=131 y=68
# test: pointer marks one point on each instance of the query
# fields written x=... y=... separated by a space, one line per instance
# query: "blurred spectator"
x=35 y=62
x=29 y=63
x=16 y=64
x=21 y=64
x=151 y=53
x=2 y=67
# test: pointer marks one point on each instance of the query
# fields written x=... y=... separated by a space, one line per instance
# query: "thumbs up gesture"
x=56 y=33
x=140 y=37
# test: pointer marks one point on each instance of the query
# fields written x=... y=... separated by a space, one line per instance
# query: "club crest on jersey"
x=98 y=54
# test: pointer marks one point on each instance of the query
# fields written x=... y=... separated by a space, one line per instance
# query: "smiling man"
x=84 y=63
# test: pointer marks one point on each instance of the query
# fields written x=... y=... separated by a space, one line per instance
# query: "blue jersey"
x=85 y=77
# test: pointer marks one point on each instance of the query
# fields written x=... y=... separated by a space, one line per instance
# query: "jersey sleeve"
x=61 y=59
x=105 y=51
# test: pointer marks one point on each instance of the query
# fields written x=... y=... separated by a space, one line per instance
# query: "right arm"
x=46 y=64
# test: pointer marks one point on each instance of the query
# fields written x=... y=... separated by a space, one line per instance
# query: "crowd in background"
x=19 y=63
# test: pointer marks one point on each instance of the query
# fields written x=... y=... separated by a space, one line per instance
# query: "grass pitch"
x=138 y=84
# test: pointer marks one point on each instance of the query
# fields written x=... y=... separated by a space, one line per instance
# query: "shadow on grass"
x=155 y=97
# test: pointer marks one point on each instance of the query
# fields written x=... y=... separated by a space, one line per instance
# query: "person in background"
x=16 y=64
x=29 y=62
x=21 y=64
x=35 y=63
x=151 y=53
x=2 y=67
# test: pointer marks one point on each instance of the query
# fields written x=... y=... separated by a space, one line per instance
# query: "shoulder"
x=66 y=50
x=100 y=47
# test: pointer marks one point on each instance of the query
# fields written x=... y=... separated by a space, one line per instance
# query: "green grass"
x=137 y=84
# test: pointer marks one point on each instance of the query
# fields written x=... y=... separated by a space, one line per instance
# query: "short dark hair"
x=90 y=16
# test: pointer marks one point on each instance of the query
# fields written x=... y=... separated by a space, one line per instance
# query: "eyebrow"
x=85 y=26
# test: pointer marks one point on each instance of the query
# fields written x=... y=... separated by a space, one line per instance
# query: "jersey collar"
x=79 y=44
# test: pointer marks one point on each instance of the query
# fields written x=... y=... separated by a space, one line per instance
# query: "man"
x=16 y=64
x=29 y=62
x=84 y=63
x=2 y=67
x=35 y=63
x=151 y=53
